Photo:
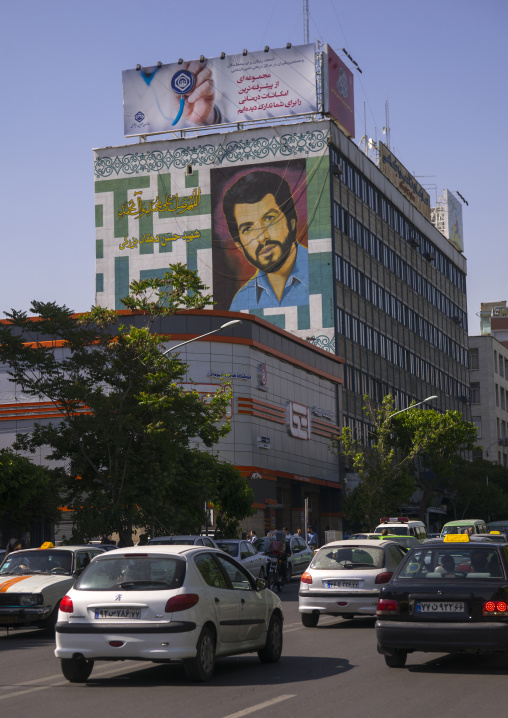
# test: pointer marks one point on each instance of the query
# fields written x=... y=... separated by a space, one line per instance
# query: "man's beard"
x=285 y=247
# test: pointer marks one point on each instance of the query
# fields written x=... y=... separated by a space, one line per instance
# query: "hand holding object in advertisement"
x=199 y=102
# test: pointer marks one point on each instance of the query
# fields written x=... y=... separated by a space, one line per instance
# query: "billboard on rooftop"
x=262 y=85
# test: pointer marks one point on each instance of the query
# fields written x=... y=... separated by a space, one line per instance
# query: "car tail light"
x=387 y=607
x=384 y=577
x=181 y=602
x=66 y=605
x=306 y=578
x=494 y=608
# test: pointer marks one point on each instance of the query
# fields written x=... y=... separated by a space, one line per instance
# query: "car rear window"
x=230 y=548
x=171 y=542
x=469 y=560
x=139 y=573
x=344 y=557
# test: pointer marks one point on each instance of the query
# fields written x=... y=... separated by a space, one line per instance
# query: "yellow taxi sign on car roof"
x=48 y=544
x=496 y=532
x=456 y=538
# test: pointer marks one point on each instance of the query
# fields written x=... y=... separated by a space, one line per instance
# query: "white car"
x=244 y=551
x=183 y=540
x=166 y=603
x=345 y=577
x=33 y=581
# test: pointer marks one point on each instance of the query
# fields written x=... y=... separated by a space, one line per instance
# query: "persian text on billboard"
x=255 y=86
x=339 y=99
x=404 y=180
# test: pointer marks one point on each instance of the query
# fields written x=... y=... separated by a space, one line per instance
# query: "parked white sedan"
x=345 y=577
x=166 y=603
x=244 y=551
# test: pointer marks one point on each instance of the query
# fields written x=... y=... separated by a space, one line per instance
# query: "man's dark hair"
x=251 y=188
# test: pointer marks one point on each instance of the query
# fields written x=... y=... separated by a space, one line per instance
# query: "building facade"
x=488 y=361
x=374 y=281
x=284 y=413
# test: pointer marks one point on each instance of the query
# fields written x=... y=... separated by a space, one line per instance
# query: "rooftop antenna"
x=386 y=128
x=305 y=22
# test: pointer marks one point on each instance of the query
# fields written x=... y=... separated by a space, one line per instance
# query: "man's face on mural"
x=264 y=234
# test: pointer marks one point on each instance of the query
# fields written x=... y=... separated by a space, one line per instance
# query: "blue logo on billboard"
x=182 y=82
x=139 y=117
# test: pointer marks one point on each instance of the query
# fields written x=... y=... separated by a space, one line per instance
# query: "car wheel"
x=310 y=620
x=49 y=624
x=273 y=646
x=201 y=667
x=397 y=660
x=271 y=581
x=76 y=669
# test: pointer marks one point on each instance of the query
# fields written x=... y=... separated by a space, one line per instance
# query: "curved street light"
x=429 y=398
x=232 y=323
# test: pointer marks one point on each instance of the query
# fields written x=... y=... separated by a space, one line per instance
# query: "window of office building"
x=473 y=359
x=475 y=392
x=477 y=421
x=497 y=395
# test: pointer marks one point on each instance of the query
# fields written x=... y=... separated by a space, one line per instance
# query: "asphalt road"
x=332 y=670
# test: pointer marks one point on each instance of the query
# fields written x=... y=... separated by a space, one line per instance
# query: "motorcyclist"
x=279 y=547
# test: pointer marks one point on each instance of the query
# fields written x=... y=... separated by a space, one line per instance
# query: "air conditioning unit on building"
x=338 y=169
x=429 y=256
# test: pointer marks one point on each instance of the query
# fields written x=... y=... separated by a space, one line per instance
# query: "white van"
x=402 y=526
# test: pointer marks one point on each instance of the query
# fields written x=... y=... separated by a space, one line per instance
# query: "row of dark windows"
x=362 y=188
x=385 y=301
x=392 y=261
x=390 y=350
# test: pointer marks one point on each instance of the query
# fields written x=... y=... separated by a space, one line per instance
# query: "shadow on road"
x=463 y=664
x=236 y=671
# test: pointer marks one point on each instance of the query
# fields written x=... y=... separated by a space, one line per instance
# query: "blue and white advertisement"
x=221 y=90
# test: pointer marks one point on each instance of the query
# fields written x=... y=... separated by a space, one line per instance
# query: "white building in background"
x=488 y=365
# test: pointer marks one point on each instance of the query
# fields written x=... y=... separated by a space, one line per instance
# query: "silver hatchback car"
x=345 y=577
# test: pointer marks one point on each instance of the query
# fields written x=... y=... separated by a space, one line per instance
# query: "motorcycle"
x=275 y=574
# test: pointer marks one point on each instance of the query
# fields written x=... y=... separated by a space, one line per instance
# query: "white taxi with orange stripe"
x=33 y=582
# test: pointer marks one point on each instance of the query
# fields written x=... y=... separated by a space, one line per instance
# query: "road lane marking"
x=97 y=673
x=260 y=706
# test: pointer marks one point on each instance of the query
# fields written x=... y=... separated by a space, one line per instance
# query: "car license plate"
x=440 y=607
x=117 y=613
x=342 y=584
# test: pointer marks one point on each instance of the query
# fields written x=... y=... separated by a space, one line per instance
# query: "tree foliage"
x=384 y=472
x=127 y=425
x=27 y=491
x=401 y=445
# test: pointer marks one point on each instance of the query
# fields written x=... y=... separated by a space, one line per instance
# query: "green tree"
x=391 y=467
x=28 y=492
x=385 y=480
x=127 y=425
x=437 y=441
x=479 y=489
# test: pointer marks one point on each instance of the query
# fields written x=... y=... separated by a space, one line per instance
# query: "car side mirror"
x=77 y=572
x=261 y=584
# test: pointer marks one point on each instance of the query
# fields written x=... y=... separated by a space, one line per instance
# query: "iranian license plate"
x=343 y=584
x=117 y=613
x=439 y=607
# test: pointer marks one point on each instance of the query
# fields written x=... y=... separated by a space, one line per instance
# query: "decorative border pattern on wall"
x=287 y=145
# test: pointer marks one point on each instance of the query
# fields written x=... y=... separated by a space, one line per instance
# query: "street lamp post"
x=429 y=398
x=232 y=323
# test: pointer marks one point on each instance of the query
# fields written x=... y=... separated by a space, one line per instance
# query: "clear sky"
x=441 y=64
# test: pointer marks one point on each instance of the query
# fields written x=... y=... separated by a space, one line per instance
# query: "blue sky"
x=440 y=64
